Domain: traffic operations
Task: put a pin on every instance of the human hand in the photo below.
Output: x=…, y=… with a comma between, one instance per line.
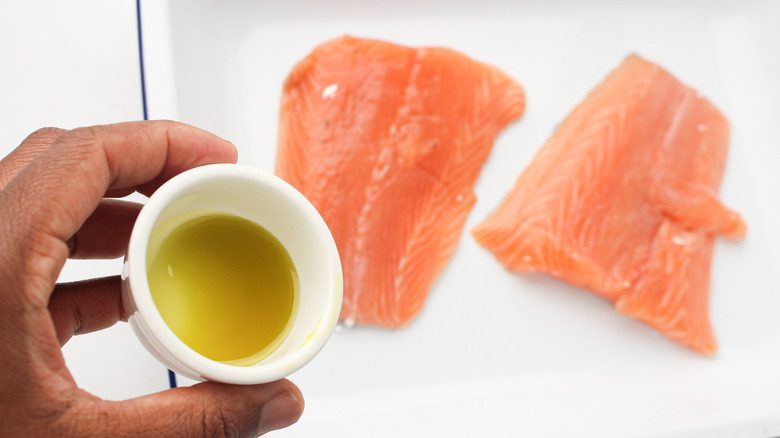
x=54, y=204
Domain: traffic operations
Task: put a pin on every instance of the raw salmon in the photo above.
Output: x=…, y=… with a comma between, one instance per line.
x=387, y=141
x=622, y=201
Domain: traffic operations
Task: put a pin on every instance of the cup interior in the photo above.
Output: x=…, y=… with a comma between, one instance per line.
x=285, y=213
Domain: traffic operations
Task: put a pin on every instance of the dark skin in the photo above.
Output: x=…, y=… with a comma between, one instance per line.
x=56, y=193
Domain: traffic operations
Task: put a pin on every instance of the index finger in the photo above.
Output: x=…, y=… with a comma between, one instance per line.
x=143, y=155
x=50, y=199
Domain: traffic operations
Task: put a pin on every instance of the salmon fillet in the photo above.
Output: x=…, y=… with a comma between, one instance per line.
x=622, y=201
x=387, y=141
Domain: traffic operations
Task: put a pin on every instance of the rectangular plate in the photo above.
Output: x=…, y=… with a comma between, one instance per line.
x=495, y=353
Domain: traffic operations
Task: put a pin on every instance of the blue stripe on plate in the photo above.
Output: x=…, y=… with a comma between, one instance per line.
x=171, y=374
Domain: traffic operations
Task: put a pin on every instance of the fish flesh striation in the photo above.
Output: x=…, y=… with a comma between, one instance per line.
x=622, y=201
x=387, y=141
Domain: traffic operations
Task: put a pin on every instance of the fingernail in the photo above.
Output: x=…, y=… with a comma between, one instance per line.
x=280, y=411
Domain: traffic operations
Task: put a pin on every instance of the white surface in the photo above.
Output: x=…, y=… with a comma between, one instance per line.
x=66, y=64
x=71, y=64
x=496, y=354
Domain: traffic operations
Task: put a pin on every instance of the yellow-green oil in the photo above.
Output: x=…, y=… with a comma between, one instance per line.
x=225, y=286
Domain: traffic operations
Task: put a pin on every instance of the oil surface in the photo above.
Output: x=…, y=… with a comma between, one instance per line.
x=225, y=286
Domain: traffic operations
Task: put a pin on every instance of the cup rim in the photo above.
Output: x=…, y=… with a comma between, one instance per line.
x=165, y=338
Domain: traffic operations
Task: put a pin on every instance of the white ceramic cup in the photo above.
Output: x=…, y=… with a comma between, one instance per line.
x=275, y=205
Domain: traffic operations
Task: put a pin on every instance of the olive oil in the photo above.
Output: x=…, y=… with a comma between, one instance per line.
x=225, y=286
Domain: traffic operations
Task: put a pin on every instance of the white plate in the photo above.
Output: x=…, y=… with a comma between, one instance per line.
x=495, y=353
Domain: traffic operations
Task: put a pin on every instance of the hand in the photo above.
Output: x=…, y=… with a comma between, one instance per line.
x=53, y=205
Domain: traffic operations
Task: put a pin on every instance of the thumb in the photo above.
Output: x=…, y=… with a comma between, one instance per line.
x=207, y=409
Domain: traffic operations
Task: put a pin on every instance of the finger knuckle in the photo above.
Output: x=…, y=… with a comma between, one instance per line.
x=217, y=424
x=88, y=136
x=42, y=256
x=44, y=135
